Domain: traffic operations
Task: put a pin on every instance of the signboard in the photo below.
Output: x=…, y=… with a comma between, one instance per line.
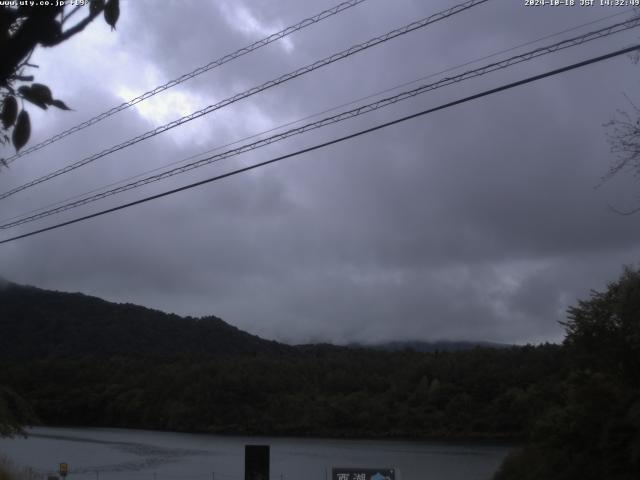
x=256, y=462
x=64, y=469
x=363, y=474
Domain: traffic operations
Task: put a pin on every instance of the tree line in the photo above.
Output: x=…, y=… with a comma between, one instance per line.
x=322, y=392
x=574, y=407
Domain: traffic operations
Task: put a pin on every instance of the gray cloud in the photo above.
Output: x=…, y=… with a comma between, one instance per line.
x=478, y=222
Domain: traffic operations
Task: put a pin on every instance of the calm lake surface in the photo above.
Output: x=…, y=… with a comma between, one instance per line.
x=118, y=454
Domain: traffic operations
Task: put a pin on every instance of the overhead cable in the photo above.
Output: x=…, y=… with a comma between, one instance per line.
x=194, y=73
x=272, y=83
x=313, y=115
x=385, y=102
x=332, y=142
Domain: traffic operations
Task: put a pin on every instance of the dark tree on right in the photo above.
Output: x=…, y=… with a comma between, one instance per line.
x=594, y=430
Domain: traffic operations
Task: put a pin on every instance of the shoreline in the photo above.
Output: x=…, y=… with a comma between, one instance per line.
x=498, y=440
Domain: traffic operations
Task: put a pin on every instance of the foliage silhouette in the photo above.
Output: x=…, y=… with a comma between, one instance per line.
x=593, y=430
x=22, y=29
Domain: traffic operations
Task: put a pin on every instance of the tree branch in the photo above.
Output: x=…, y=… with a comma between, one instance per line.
x=77, y=28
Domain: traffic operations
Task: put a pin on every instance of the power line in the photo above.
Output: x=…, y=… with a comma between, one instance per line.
x=317, y=114
x=334, y=141
x=385, y=102
x=272, y=83
x=340, y=117
x=187, y=76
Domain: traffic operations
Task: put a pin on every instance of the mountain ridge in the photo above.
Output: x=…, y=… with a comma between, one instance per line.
x=40, y=323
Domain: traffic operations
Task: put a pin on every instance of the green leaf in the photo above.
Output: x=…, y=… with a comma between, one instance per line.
x=40, y=95
x=42, y=92
x=22, y=130
x=9, y=111
x=112, y=12
x=28, y=94
x=60, y=104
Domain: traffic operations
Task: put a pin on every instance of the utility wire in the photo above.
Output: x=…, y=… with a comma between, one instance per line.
x=314, y=115
x=272, y=83
x=334, y=141
x=385, y=102
x=187, y=76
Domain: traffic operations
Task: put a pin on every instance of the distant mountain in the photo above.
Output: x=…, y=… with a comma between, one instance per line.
x=437, y=346
x=38, y=324
x=82, y=361
x=41, y=324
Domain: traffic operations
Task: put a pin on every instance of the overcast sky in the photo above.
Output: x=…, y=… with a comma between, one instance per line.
x=480, y=222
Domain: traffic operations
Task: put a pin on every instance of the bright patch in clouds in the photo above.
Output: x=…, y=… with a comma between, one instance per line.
x=166, y=106
x=243, y=118
x=240, y=18
x=162, y=108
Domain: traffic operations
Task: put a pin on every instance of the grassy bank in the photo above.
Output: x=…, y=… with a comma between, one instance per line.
x=11, y=471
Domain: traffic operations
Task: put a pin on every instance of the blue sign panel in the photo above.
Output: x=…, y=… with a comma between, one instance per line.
x=363, y=474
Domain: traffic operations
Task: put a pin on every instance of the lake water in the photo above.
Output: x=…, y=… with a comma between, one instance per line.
x=118, y=454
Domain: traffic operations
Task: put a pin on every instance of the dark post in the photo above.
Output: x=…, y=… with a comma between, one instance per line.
x=256, y=462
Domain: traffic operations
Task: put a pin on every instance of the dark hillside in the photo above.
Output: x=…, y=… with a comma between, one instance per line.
x=79, y=360
x=37, y=324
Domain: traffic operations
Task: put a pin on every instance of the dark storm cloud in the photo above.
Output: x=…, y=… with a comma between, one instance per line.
x=478, y=222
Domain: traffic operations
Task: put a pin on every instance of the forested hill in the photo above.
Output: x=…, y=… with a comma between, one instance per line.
x=79, y=360
x=38, y=324
x=577, y=405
